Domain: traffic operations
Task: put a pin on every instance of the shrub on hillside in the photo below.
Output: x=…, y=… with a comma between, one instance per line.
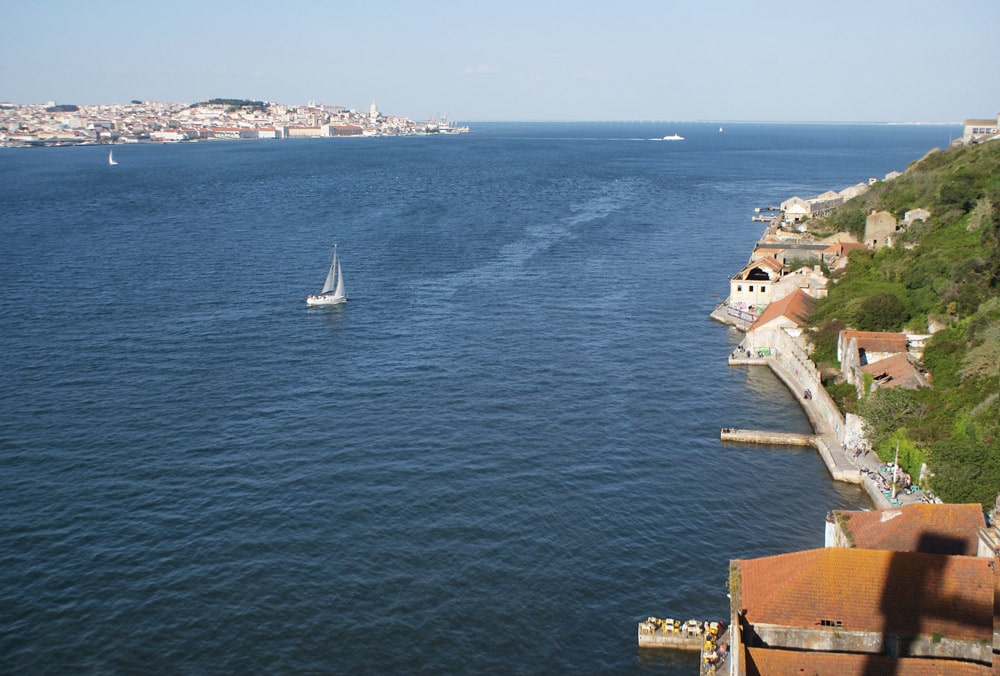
x=879, y=312
x=889, y=409
x=958, y=191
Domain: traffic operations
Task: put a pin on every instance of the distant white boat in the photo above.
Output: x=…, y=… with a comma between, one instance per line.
x=111, y=158
x=720, y=130
x=333, y=288
x=673, y=137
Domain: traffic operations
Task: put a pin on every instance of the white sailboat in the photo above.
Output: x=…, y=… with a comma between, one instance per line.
x=111, y=158
x=333, y=288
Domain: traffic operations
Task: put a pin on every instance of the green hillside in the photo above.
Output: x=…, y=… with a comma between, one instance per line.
x=943, y=273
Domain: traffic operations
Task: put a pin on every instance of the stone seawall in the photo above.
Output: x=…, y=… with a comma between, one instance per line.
x=788, y=360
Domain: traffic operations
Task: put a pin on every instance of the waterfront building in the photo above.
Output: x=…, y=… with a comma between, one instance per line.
x=824, y=204
x=233, y=133
x=789, y=313
x=789, y=251
x=795, y=210
x=304, y=132
x=752, y=286
x=345, y=130
x=860, y=611
x=853, y=191
x=918, y=527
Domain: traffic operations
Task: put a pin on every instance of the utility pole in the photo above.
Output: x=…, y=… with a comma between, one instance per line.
x=895, y=469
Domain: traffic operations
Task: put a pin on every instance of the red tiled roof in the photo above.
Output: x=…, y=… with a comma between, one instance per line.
x=931, y=529
x=766, y=661
x=796, y=306
x=876, y=341
x=903, y=593
x=895, y=371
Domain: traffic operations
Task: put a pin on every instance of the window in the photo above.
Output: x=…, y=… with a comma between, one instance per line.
x=831, y=623
x=751, y=288
x=739, y=287
x=762, y=288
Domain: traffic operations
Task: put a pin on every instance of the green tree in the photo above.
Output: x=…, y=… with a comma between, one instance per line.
x=880, y=312
x=888, y=409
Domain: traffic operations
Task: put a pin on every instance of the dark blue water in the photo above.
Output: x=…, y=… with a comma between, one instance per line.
x=499, y=456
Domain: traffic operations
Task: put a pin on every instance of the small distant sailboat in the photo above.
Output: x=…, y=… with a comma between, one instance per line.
x=720, y=130
x=333, y=289
x=673, y=137
x=111, y=158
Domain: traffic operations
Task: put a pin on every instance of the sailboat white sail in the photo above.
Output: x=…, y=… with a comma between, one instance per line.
x=111, y=158
x=333, y=288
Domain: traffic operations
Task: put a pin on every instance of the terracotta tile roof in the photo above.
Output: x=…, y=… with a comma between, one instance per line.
x=896, y=371
x=796, y=306
x=875, y=341
x=919, y=527
x=766, y=661
x=903, y=593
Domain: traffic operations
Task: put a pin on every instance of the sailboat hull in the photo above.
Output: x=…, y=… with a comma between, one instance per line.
x=329, y=299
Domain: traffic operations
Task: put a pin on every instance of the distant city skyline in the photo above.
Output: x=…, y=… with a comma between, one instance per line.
x=891, y=61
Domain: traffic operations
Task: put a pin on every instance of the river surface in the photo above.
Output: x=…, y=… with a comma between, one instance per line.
x=499, y=456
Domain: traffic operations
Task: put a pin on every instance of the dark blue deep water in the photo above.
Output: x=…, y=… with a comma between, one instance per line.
x=498, y=457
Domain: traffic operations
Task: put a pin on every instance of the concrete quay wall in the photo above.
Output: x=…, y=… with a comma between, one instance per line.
x=789, y=361
x=872, y=642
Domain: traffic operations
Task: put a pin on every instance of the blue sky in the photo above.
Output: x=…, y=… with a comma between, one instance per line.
x=766, y=60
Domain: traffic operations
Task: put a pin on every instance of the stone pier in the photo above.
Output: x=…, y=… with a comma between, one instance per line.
x=765, y=437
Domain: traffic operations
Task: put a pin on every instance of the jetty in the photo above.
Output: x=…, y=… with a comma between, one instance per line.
x=709, y=639
x=766, y=437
